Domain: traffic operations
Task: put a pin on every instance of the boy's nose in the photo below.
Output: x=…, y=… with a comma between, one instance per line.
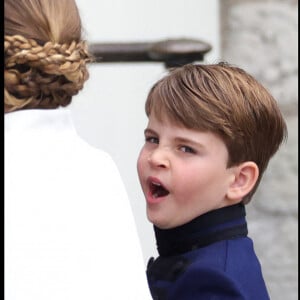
x=159, y=158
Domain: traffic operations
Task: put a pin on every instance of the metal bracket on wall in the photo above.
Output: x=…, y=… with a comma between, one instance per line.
x=172, y=52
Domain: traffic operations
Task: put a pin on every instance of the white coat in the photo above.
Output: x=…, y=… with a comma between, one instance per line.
x=69, y=229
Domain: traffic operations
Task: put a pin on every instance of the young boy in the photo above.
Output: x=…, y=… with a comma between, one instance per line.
x=212, y=130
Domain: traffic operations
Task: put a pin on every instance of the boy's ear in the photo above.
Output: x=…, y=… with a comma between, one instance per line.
x=244, y=179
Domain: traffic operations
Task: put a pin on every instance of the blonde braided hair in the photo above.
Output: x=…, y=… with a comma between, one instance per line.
x=43, y=76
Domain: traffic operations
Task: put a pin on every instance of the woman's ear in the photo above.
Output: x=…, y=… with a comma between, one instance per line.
x=245, y=177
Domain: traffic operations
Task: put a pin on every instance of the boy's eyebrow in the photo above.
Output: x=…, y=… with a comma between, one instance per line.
x=149, y=131
x=179, y=139
x=183, y=140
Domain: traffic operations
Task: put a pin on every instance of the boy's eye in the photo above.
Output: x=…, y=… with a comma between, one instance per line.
x=187, y=149
x=152, y=139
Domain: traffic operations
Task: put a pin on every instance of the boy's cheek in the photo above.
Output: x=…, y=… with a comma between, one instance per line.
x=140, y=166
x=142, y=159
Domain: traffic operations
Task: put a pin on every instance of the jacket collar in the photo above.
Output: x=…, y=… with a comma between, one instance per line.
x=38, y=119
x=224, y=223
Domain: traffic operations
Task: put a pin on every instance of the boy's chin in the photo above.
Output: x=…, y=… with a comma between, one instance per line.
x=162, y=224
x=158, y=223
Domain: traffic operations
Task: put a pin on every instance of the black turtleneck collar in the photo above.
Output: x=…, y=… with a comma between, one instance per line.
x=220, y=224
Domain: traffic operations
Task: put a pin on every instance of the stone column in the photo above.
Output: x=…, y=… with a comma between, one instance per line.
x=261, y=36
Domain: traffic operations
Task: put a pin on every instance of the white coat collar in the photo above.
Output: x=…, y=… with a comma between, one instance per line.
x=22, y=120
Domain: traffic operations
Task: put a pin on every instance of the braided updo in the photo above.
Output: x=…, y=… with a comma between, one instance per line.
x=45, y=58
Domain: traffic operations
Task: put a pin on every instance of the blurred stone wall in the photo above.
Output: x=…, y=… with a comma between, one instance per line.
x=261, y=36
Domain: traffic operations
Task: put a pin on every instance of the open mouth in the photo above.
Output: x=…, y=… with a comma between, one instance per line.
x=158, y=190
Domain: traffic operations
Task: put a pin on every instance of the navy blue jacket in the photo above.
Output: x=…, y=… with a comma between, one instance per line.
x=209, y=258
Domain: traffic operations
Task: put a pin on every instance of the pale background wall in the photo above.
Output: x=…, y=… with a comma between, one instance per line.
x=109, y=112
x=260, y=36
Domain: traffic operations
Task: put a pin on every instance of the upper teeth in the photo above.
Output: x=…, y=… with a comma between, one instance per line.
x=156, y=183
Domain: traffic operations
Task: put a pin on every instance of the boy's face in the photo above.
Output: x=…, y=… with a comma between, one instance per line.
x=182, y=172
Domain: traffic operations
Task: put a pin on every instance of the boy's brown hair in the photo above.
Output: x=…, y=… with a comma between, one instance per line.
x=226, y=100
